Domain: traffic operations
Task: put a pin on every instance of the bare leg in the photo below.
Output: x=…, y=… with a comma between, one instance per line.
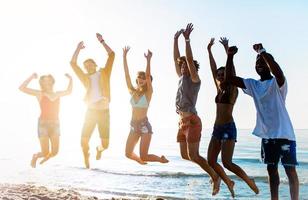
x=54, y=148
x=293, y=181
x=227, y=154
x=213, y=152
x=44, y=142
x=184, y=150
x=193, y=153
x=273, y=180
x=104, y=145
x=103, y=128
x=87, y=130
x=130, y=145
x=144, y=149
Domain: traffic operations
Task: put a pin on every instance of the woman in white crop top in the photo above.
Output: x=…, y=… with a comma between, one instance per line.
x=140, y=126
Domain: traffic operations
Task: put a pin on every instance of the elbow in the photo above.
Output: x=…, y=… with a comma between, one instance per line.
x=111, y=54
x=21, y=88
x=73, y=63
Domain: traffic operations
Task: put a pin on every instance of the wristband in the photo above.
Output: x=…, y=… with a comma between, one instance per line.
x=261, y=51
x=187, y=40
x=102, y=41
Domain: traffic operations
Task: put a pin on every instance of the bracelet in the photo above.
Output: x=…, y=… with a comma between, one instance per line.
x=187, y=40
x=102, y=41
x=261, y=51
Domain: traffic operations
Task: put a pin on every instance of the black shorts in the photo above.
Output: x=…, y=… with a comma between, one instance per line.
x=275, y=150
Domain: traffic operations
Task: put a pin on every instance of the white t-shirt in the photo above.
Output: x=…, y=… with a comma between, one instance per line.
x=273, y=120
x=95, y=94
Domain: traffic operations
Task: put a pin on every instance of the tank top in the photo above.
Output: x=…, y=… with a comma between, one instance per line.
x=187, y=94
x=49, y=109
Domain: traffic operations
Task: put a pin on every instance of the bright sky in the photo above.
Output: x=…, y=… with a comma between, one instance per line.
x=41, y=36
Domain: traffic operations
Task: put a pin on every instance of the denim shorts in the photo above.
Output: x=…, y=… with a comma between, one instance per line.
x=48, y=128
x=275, y=150
x=142, y=126
x=225, y=131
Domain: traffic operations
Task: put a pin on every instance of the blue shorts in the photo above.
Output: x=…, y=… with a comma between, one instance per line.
x=225, y=131
x=275, y=150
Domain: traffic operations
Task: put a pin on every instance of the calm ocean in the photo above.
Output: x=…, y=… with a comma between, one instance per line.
x=116, y=176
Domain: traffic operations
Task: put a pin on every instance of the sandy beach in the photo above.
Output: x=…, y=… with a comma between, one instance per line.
x=32, y=192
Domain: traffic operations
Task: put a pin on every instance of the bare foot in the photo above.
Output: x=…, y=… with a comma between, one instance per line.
x=164, y=159
x=86, y=161
x=216, y=185
x=98, y=153
x=253, y=186
x=230, y=187
x=33, y=161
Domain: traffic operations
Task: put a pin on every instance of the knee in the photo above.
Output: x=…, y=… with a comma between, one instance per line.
x=84, y=142
x=227, y=164
x=54, y=153
x=143, y=156
x=184, y=156
x=128, y=153
x=211, y=162
x=105, y=143
x=290, y=171
x=272, y=170
x=194, y=157
x=45, y=153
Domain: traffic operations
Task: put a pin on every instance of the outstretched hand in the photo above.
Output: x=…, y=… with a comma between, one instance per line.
x=188, y=30
x=149, y=55
x=178, y=33
x=99, y=37
x=232, y=50
x=80, y=45
x=125, y=50
x=257, y=47
x=224, y=41
x=211, y=43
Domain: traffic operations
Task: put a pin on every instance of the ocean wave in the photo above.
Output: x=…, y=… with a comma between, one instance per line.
x=183, y=175
x=126, y=194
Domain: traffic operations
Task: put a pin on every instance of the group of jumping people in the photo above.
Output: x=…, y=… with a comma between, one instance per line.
x=273, y=124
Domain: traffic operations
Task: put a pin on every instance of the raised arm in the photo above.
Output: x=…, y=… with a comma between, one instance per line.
x=225, y=42
x=271, y=63
x=111, y=54
x=176, y=51
x=212, y=60
x=148, y=73
x=24, y=86
x=127, y=76
x=229, y=75
x=68, y=89
x=78, y=71
x=189, y=56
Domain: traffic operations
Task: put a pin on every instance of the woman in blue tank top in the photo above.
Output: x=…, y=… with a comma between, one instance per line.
x=140, y=100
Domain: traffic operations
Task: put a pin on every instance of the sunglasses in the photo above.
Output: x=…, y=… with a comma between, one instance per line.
x=141, y=77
